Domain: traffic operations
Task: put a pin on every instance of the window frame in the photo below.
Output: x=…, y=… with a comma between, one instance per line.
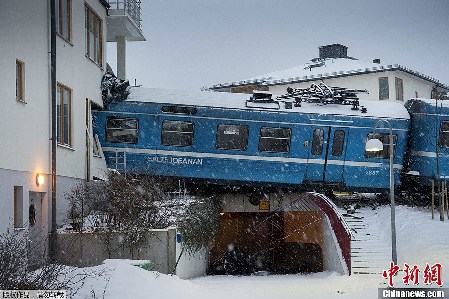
x=112, y=129
x=61, y=119
x=20, y=80
x=188, y=123
x=385, y=139
x=245, y=135
x=399, y=86
x=97, y=32
x=443, y=142
x=382, y=94
x=263, y=138
x=64, y=18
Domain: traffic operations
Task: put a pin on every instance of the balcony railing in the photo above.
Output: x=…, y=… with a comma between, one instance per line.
x=131, y=7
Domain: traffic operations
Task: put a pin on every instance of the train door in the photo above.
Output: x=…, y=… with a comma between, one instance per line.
x=327, y=155
x=336, y=154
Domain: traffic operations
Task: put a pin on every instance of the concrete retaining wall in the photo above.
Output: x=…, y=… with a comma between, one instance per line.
x=91, y=249
x=160, y=248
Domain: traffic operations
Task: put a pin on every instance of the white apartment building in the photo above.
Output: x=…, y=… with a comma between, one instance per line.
x=335, y=68
x=26, y=114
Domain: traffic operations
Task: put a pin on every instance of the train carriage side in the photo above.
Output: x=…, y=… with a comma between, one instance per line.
x=428, y=157
x=308, y=147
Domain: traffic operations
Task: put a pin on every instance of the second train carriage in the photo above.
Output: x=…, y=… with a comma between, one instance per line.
x=218, y=138
x=428, y=153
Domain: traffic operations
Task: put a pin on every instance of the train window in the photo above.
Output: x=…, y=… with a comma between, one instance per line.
x=123, y=130
x=317, y=142
x=232, y=137
x=338, y=143
x=275, y=140
x=179, y=109
x=177, y=133
x=444, y=134
x=385, y=153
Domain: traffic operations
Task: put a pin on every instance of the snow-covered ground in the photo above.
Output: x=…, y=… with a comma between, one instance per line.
x=421, y=240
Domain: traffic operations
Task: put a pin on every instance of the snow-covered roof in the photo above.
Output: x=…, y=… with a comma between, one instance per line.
x=324, y=69
x=384, y=109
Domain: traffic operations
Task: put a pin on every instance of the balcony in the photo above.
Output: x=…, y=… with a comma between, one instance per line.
x=124, y=19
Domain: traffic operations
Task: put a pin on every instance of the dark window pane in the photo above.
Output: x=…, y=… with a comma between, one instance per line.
x=383, y=88
x=444, y=134
x=385, y=139
x=338, y=143
x=399, y=89
x=317, y=142
x=123, y=130
x=274, y=140
x=177, y=133
x=232, y=137
x=179, y=109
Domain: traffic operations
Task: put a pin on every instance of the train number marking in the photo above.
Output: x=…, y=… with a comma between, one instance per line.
x=372, y=172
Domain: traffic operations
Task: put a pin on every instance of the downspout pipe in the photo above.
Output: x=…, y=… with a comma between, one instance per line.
x=53, y=235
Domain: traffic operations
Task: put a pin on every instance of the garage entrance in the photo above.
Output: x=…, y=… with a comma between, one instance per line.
x=289, y=239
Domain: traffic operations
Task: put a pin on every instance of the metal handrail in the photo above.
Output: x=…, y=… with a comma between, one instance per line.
x=132, y=7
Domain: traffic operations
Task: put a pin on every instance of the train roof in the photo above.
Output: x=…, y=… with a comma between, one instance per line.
x=381, y=109
x=421, y=105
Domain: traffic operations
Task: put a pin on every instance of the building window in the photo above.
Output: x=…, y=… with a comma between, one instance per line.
x=232, y=137
x=384, y=91
x=20, y=80
x=444, y=134
x=399, y=85
x=94, y=36
x=64, y=19
x=64, y=114
x=385, y=139
x=317, y=142
x=18, y=206
x=338, y=143
x=122, y=130
x=275, y=140
x=177, y=133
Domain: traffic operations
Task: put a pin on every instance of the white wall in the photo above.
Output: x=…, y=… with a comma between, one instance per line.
x=370, y=82
x=83, y=76
x=191, y=265
x=332, y=256
x=26, y=127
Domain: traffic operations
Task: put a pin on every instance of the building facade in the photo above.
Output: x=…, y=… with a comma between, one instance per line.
x=26, y=114
x=335, y=68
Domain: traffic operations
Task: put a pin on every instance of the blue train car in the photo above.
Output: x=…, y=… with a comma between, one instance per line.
x=428, y=156
x=218, y=138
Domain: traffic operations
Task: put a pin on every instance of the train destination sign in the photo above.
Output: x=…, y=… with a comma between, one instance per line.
x=176, y=160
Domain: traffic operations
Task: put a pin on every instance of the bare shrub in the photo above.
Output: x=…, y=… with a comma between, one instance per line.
x=15, y=274
x=129, y=204
x=200, y=222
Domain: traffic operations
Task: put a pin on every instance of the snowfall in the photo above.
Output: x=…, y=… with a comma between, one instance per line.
x=420, y=240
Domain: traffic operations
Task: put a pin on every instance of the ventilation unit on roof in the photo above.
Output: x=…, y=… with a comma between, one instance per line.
x=262, y=99
x=333, y=51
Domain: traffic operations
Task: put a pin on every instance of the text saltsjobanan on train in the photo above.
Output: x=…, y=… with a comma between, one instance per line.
x=309, y=139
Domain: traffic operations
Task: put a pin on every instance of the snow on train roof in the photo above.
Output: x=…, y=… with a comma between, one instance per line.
x=431, y=102
x=384, y=109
